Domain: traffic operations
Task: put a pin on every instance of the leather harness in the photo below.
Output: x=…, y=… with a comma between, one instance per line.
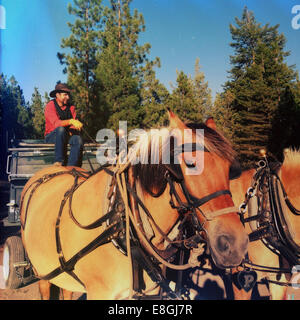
x=269, y=223
x=186, y=209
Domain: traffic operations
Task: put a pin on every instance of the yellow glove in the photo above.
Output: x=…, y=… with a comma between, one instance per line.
x=76, y=124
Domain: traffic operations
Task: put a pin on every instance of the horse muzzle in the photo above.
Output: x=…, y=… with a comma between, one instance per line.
x=228, y=251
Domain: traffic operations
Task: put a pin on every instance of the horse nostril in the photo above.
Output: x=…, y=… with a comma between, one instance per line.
x=223, y=243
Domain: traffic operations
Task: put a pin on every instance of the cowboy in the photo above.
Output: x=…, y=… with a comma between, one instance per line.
x=62, y=127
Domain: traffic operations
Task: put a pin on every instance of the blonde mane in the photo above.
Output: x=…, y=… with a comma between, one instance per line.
x=153, y=143
x=291, y=157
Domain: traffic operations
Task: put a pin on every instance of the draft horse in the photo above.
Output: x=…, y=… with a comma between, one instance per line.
x=86, y=232
x=272, y=221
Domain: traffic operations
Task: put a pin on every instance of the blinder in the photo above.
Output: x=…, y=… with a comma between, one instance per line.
x=174, y=173
x=174, y=168
x=235, y=169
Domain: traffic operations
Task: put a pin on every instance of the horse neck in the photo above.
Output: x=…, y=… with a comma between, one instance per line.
x=290, y=177
x=159, y=208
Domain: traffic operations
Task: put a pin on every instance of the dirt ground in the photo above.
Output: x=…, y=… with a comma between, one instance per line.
x=213, y=288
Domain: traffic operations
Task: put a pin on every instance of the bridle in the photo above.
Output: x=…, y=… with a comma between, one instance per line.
x=185, y=208
x=192, y=203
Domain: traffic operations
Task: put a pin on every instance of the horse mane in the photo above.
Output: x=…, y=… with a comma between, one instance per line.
x=291, y=157
x=215, y=142
x=152, y=176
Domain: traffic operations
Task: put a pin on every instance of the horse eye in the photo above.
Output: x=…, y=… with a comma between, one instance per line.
x=190, y=164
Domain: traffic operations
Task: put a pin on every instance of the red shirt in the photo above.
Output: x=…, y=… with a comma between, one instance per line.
x=51, y=117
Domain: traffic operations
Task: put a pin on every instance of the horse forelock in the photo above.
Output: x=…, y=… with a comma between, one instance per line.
x=146, y=157
x=149, y=147
x=152, y=145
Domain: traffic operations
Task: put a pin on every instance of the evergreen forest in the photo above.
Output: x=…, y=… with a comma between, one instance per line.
x=113, y=79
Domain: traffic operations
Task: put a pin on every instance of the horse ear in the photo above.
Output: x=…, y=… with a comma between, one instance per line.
x=175, y=122
x=210, y=122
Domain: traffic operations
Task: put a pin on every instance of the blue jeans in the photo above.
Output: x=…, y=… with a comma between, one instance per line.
x=60, y=137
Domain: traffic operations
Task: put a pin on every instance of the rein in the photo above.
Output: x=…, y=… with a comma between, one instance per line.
x=185, y=209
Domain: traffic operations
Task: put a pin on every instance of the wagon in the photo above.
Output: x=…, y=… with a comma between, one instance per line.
x=25, y=158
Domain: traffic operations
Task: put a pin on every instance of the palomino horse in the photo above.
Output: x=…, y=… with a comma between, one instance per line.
x=259, y=253
x=70, y=232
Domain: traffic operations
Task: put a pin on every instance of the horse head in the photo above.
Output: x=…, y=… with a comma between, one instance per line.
x=206, y=168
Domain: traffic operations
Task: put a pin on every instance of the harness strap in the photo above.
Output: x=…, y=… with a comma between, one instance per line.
x=146, y=243
x=287, y=200
x=194, y=202
x=271, y=229
x=199, y=202
x=213, y=214
x=139, y=201
x=69, y=265
x=42, y=180
x=291, y=207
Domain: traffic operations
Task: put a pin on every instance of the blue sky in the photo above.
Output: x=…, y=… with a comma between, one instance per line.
x=179, y=31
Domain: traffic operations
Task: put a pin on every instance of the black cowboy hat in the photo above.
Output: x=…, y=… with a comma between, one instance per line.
x=60, y=87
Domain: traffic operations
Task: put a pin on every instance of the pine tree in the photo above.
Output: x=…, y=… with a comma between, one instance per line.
x=46, y=98
x=296, y=91
x=154, y=98
x=24, y=128
x=121, y=65
x=182, y=99
x=258, y=77
x=37, y=110
x=84, y=44
x=285, y=126
x=223, y=114
x=201, y=90
x=16, y=116
x=3, y=139
x=191, y=97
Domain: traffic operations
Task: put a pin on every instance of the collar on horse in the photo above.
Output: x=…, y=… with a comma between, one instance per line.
x=271, y=225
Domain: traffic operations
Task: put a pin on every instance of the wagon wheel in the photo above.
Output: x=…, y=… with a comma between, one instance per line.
x=13, y=252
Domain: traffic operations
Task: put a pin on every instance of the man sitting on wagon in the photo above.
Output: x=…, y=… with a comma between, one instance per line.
x=62, y=127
